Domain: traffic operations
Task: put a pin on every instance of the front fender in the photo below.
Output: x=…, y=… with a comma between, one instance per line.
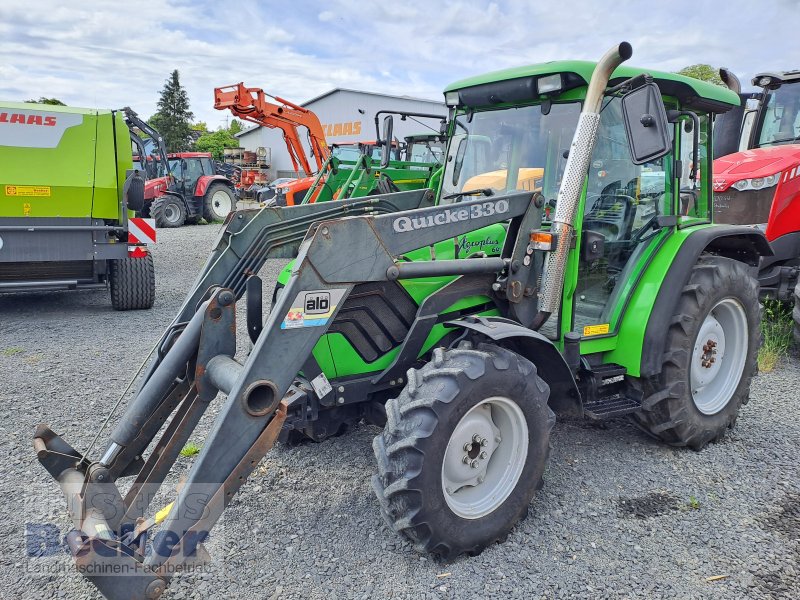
x=565, y=398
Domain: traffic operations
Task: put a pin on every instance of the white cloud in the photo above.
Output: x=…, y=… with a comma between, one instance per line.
x=104, y=53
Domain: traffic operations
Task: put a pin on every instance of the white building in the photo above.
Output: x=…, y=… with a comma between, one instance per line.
x=346, y=116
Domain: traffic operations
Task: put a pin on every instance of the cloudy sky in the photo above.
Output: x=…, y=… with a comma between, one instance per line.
x=109, y=54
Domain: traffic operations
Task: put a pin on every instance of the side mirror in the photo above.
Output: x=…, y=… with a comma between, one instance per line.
x=386, y=140
x=646, y=124
x=133, y=191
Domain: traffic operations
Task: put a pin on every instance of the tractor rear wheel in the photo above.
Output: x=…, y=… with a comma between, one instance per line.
x=709, y=359
x=796, y=314
x=168, y=211
x=464, y=449
x=133, y=283
x=218, y=202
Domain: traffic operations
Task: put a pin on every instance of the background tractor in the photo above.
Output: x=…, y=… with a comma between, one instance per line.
x=67, y=196
x=181, y=187
x=757, y=176
x=462, y=322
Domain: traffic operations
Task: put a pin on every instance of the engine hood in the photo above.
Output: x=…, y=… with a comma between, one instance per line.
x=760, y=162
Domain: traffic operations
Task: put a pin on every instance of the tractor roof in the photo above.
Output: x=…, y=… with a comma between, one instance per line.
x=690, y=92
x=55, y=108
x=776, y=78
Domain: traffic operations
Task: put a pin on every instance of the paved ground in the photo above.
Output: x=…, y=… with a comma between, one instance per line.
x=619, y=515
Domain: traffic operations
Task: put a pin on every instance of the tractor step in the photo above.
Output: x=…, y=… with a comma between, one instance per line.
x=610, y=398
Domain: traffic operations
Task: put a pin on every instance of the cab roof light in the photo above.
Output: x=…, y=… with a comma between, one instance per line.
x=549, y=84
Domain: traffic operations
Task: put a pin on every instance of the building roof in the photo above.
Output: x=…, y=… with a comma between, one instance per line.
x=352, y=91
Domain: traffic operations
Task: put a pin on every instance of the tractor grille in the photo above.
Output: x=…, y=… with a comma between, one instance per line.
x=743, y=208
x=375, y=318
x=46, y=271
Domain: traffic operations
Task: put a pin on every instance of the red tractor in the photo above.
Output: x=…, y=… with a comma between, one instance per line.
x=180, y=187
x=757, y=175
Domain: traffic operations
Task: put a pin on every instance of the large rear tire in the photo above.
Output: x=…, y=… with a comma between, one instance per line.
x=168, y=211
x=218, y=202
x=464, y=449
x=709, y=359
x=133, y=283
x=796, y=315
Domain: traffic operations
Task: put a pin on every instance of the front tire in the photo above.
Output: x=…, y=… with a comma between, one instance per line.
x=709, y=358
x=485, y=403
x=168, y=211
x=796, y=314
x=133, y=283
x=218, y=202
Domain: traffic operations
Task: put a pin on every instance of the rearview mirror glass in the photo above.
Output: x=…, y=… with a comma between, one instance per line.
x=649, y=133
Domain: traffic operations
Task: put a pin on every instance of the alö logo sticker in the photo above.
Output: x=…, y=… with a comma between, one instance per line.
x=450, y=215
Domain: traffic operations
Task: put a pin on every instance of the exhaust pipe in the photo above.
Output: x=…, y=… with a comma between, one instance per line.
x=730, y=80
x=569, y=194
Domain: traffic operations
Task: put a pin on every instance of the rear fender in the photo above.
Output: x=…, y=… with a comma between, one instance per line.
x=738, y=242
x=207, y=180
x=565, y=398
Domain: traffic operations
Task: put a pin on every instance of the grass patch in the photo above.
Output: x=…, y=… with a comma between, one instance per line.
x=190, y=449
x=694, y=503
x=776, y=331
x=11, y=351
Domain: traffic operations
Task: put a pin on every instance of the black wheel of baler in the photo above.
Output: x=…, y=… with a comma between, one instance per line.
x=450, y=495
x=218, y=202
x=796, y=315
x=168, y=211
x=709, y=359
x=133, y=283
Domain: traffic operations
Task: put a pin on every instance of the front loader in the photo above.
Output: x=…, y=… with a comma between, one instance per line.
x=462, y=326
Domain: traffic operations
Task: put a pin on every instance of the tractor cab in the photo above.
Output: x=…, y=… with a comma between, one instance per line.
x=188, y=168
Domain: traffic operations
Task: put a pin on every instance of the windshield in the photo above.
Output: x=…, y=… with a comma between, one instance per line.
x=425, y=151
x=510, y=149
x=781, y=116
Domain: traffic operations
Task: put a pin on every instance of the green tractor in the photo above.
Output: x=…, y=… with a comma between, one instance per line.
x=462, y=323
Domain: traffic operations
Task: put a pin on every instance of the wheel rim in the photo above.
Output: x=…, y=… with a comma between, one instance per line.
x=485, y=457
x=718, y=356
x=171, y=213
x=221, y=204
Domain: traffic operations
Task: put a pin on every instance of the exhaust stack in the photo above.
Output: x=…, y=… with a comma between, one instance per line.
x=569, y=194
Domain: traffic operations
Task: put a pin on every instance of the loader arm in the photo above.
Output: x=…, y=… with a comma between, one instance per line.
x=334, y=256
x=251, y=104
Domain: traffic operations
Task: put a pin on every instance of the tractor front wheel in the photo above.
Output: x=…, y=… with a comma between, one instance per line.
x=133, y=283
x=168, y=211
x=709, y=359
x=464, y=449
x=218, y=202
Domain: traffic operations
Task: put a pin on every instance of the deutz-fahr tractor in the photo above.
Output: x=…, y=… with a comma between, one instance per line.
x=463, y=323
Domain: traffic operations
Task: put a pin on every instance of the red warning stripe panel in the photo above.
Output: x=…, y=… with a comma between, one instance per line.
x=141, y=231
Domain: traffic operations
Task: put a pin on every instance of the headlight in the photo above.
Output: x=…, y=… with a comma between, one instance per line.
x=549, y=84
x=757, y=183
x=451, y=98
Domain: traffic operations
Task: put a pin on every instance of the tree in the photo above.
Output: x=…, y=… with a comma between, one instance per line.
x=703, y=73
x=216, y=142
x=200, y=126
x=50, y=101
x=173, y=118
x=235, y=127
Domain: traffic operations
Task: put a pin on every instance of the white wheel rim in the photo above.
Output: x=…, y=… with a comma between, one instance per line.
x=171, y=213
x=221, y=204
x=484, y=457
x=718, y=356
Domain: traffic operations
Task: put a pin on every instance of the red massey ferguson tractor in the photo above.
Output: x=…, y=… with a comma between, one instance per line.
x=180, y=187
x=757, y=176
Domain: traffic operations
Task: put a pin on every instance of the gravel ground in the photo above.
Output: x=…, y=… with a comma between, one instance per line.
x=619, y=515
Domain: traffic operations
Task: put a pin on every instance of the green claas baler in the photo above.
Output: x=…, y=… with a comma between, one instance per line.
x=66, y=187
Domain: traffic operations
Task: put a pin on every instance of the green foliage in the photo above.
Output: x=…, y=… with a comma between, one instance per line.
x=235, y=127
x=216, y=142
x=200, y=126
x=50, y=101
x=173, y=118
x=694, y=503
x=776, y=333
x=190, y=449
x=11, y=351
x=703, y=73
